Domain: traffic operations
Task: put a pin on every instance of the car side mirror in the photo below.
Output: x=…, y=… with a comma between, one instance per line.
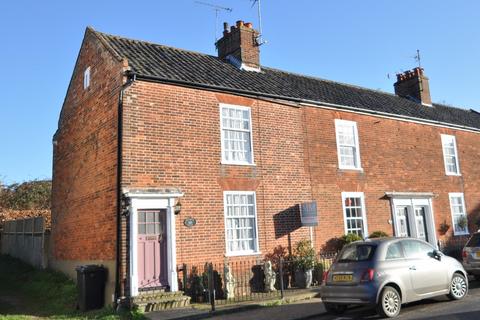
x=437, y=255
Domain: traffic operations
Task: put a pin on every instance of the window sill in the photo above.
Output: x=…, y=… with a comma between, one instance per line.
x=242, y=253
x=350, y=169
x=457, y=234
x=454, y=174
x=238, y=164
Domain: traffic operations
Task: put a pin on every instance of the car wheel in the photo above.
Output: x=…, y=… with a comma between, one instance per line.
x=335, y=308
x=390, y=303
x=458, y=287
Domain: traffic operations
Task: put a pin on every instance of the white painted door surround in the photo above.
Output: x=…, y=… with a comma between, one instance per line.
x=153, y=199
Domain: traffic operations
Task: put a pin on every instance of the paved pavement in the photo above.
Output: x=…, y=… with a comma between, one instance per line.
x=439, y=309
x=297, y=310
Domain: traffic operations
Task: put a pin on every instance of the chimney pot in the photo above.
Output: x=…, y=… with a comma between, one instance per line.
x=239, y=23
x=248, y=25
x=225, y=26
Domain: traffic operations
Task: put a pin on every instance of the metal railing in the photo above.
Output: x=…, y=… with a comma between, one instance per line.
x=234, y=281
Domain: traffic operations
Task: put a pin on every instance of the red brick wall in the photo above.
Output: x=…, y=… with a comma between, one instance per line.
x=85, y=157
x=396, y=156
x=172, y=139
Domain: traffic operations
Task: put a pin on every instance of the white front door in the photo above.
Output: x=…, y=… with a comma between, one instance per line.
x=414, y=218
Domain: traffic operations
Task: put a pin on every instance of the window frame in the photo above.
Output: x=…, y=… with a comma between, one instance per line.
x=360, y=195
x=256, y=250
x=357, y=160
x=222, y=135
x=452, y=214
x=86, y=78
x=444, y=138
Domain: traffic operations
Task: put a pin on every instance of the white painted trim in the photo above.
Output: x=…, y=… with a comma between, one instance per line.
x=240, y=253
x=360, y=195
x=222, y=135
x=444, y=137
x=86, y=78
x=457, y=195
x=149, y=201
x=411, y=203
x=339, y=122
x=433, y=225
x=409, y=195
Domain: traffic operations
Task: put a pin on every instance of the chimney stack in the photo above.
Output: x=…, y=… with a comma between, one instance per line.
x=413, y=84
x=239, y=46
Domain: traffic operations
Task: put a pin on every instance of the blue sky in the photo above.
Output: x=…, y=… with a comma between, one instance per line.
x=357, y=42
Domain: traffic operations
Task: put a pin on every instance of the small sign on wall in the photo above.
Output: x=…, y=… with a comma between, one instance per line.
x=308, y=214
x=189, y=222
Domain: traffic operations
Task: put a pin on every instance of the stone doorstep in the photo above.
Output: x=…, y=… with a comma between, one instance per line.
x=160, y=300
x=157, y=295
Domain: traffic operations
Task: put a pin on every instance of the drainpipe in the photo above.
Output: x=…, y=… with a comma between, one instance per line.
x=118, y=296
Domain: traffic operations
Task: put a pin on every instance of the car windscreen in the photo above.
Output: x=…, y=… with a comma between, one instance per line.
x=356, y=252
x=474, y=241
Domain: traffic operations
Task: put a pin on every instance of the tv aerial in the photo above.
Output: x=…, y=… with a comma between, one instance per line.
x=260, y=39
x=217, y=10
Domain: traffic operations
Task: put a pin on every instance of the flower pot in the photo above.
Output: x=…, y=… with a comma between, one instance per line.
x=303, y=279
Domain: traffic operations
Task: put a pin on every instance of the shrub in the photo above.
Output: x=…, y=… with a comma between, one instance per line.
x=304, y=255
x=336, y=244
x=350, y=237
x=378, y=234
x=27, y=195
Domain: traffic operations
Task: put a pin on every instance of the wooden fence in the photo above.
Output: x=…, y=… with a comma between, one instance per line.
x=26, y=239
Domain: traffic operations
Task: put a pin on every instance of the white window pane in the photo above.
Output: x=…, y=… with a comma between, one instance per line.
x=240, y=221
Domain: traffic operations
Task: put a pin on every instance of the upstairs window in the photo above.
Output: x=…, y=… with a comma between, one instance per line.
x=347, y=145
x=355, y=218
x=86, y=78
x=459, y=214
x=450, y=155
x=236, y=127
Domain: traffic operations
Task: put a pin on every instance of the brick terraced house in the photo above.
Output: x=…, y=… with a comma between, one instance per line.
x=165, y=156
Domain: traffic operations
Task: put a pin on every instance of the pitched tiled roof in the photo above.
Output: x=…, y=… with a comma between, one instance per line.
x=167, y=63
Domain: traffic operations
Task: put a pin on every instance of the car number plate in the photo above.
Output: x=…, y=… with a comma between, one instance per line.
x=342, y=277
x=478, y=254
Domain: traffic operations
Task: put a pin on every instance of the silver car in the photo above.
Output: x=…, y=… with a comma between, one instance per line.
x=388, y=272
x=471, y=256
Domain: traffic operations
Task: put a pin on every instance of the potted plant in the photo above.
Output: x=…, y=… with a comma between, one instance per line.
x=462, y=222
x=378, y=234
x=318, y=270
x=444, y=226
x=304, y=262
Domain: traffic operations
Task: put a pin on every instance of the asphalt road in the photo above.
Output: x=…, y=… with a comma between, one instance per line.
x=440, y=308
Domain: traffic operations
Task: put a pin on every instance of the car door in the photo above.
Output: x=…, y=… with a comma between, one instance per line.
x=427, y=273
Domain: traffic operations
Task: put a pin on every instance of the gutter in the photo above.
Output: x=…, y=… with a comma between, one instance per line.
x=305, y=102
x=117, y=295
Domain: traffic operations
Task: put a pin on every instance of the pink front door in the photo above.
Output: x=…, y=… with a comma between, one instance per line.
x=152, y=249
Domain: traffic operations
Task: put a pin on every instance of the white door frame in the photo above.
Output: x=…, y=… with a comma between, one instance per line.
x=411, y=200
x=141, y=201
